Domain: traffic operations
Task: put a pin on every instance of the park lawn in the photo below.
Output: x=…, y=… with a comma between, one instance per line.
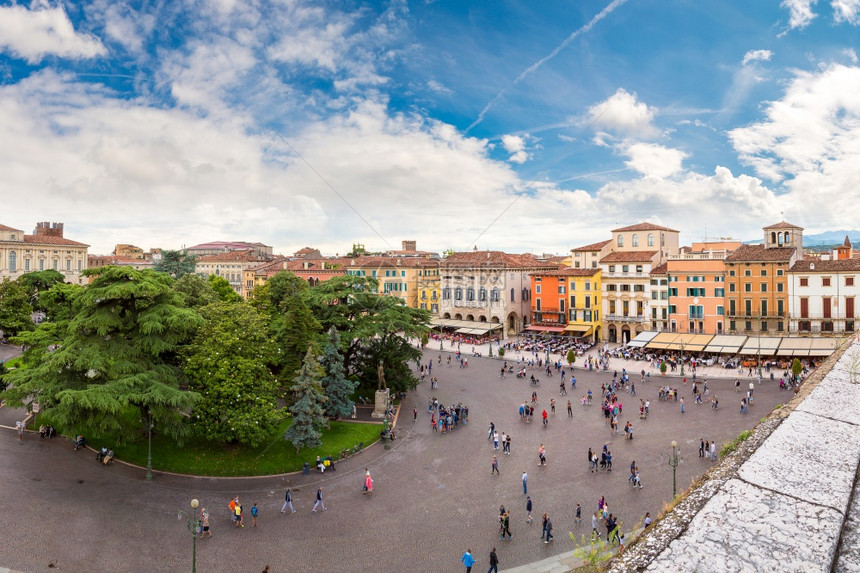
x=202, y=458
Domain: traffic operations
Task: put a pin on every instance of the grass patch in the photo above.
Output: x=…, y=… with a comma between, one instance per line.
x=203, y=458
x=13, y=363
x=733, y=445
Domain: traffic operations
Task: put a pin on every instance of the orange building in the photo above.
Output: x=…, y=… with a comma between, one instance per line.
x=549, y=299
x=697, y=279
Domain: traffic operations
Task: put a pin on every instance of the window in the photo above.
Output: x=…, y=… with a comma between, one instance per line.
x=719, y=292
x=748, y=325
x=638, y=268
x=41, y=264
x=849, y=281
x=68, y=264
x=561, y=305
x=611, y=307
x=747, y=273
x=513, y=298
x=732, y=325
x=572, y=286
x=763, y=287
x=804, y=281
x=13, y=261
x=620, y=240
x=721, y=311
x=779, y=272
x=537, y=279
x=764, y=307
x=779, y=287
x=625, y=288
x=482, y=294
x=458, y=293
x=562, y=289
x=27, y=265
x=494, y=295
x=587, y=286
x=572, y=302
x=731, y=287
x=470, y=293
x=673, y=291
x=611, y=287
x=635, y=240
x=748, y=307
x=804, y=308
x=611, y=268
x=638, y=288
x=764, y=272
x=650, y=239
x=446, y=293
x=780, y=307
x=747, y=287
x=825, y=281
x=537, y=289
x=654, y=295
x=537, y=305
x=625, y=268
x=826, y=306
x=731, y=274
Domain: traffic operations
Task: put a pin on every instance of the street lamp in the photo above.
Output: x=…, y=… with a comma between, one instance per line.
x=149, y=446
x=193, y=523
x=674, y=461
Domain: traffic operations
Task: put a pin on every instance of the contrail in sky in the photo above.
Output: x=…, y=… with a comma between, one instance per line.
x=600, y=16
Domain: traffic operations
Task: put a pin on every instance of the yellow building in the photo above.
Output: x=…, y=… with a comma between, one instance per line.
x=413, y=280
x=583, y=314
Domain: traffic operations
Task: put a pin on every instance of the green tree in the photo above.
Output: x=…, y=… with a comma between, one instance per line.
x=176, y=263
x=115, y=370
x=37, y=282
x=337, y=387
x=196, y=290
x=352, y=306
x=15, y=308
x=227, y=364
x=222, y=288
x=796, y=368
x=61, y=301
x=308, y=409
x=571, y=356
x=395, y=353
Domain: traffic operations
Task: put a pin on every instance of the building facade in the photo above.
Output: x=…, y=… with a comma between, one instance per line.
x=230, y=266
x=659, y=279
x=45, y=249
x=757, y=281
x=627, y=293
x=823, y=296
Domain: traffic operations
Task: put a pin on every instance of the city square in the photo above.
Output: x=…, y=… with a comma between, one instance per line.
x=434, y=495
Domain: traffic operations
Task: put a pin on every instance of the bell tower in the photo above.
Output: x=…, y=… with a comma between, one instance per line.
x=783, y=235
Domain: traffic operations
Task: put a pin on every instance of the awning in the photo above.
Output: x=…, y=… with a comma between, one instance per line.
x=460, y=324
x=726, y=344
x=766, y=346
x=690, y=342
x=662, y=340
x=642, y=339
x=579, y=330
x=823, y=346
x=538, y=328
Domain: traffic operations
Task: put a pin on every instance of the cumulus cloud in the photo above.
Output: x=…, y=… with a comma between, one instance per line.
x=846, y=11
x=800, y=12
x=624, y=115
x=34, y=34
x=654, y=160
x=515, y=145
x=757, y=56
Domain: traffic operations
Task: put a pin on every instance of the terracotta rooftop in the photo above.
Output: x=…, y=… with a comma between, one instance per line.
x=782, y=225
x=758, y=253
x=5, y=228
x=495, y=259
x=247, y=256
x=629, y=257
x=804, y=266
x=660, y=269
x=566, y=272
x=391, y=261
x=228, y=245
x=51, y=240
x=593, y=246
x=644, y=227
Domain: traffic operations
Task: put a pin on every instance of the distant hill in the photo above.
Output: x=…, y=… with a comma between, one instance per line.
x=826, y=239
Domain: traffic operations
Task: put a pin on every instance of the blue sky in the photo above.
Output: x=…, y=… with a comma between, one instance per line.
x=513, y=125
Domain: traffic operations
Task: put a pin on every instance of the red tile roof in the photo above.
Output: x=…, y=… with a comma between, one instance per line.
x=629, y=257
x=758, y=253
x=783, y=225
x=51, y=240
x=819, y=266
x=566, y=272
x=644, y=227
x=593, y=246
x=660, y=269
x=5, y=228
x=248, y=256
x=494, y=259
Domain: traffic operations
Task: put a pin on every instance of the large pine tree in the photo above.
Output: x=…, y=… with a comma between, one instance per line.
x=309, y=407
x=337, y=387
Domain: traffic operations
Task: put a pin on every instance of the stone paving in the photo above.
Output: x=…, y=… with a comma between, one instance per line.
x=434, y=495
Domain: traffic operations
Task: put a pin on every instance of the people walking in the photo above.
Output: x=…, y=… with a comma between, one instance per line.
x=319, y=501
x=506, y=525
x=368, y=483
x=494, y=466
x=525, y=483
x=288, y=502
x=204, y=524
x=548, y=528
x=494, y=562
x=254, y=513
x=529, y=518
x=468, y=560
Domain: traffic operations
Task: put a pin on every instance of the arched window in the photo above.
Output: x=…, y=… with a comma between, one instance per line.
x=458, y=293
x=482, y=294
x=787, y=236
x=311, y=281
x=494, y=294
x=316, y=282
x=513, y=298
x=620, y=240
x=526, y=294
x=446, y=293
x=470, y=294
x=650, y=239
x=635, y=240
x=13, y=261
x=773, y=238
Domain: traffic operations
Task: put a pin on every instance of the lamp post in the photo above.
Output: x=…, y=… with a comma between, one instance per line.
x=682, y=358
x=149, y=446
x=759, y=349
x=674, y=460
x=193, y=523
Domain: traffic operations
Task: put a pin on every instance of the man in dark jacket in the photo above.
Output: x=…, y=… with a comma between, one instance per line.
x=494, y=562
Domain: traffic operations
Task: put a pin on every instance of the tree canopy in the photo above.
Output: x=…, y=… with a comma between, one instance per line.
x=337, y=387
x=176, y=263
x=15, y=309
x=222, y=288
x=196, y=290
x=116, y=355
x=227, y=364
x=37, y=282
x=308, y=408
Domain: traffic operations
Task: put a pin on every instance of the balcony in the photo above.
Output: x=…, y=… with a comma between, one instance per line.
x=622, y=318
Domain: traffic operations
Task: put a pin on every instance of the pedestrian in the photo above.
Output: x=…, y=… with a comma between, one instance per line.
x=578, y=515
x=548, y=530
x=569, y=410
x=254, y=513
x=502, y=441
x=701, y=448
x=495, y=441
x=232, y=505
x=494, y=562
x=468, y=560
x=368, y=482
x=682, y=404
x=494, y=467
x=414, y=414
x=506, y=525
x=594, y=532
x=542, y=455
x=525, y=482
x=204, y=523
x=19, y=425
x=544, y=418
x=647, y=519
x=238, y=512
x=552, y=405
x=529, y=518
x=508, y=444
x=319, y=501
x=492, y=429
x=288, y=502
x=714, y=451
x=544, y=520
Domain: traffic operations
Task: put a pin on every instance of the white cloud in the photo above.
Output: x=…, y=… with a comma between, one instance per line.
x=757, y=56
x=439, y=88
x=800, y=12
x=654, y=160
x=811, y=139
x=846, y=11
x=622, y=114
x=850, y=54
x=34, y=34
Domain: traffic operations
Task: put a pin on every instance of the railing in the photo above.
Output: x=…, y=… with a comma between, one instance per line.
x=622, y=318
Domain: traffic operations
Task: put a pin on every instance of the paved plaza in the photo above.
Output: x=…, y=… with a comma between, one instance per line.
x=434, y=494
